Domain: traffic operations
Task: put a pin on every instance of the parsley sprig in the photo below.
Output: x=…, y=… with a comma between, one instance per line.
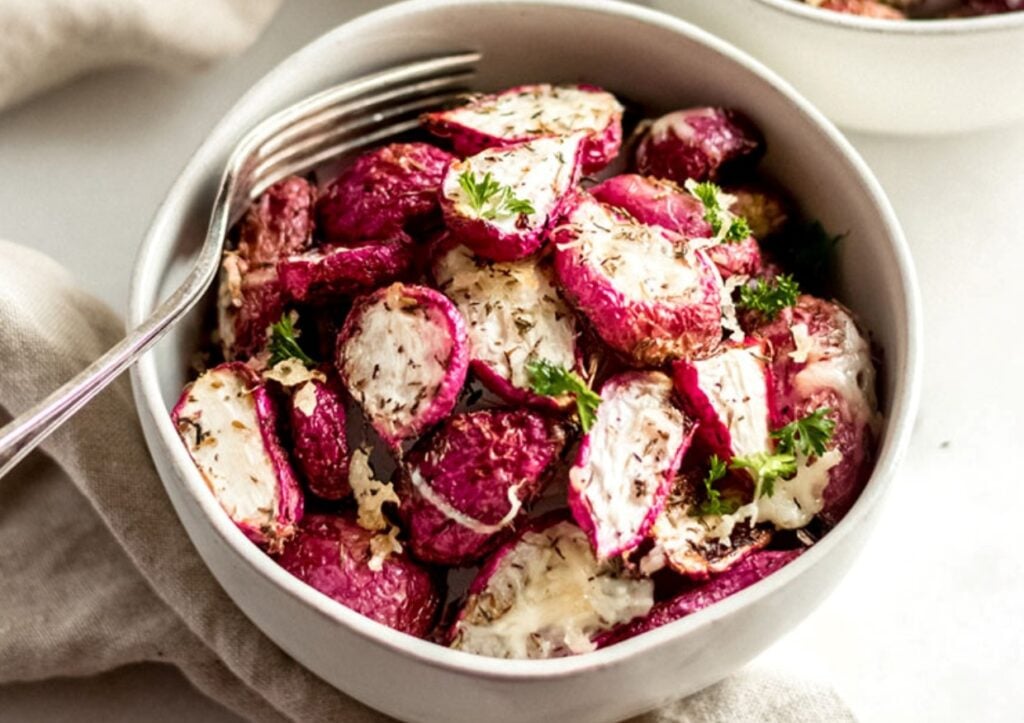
x=808, y=436
x=714, y=505
x=554, y=380
x=803, y=438
x=489, y=199
x=726, y=226
x=284, y=343
x=766, y=468
x=770, y=297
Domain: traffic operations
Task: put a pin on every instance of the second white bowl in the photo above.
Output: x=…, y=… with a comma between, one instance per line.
x=906, y=77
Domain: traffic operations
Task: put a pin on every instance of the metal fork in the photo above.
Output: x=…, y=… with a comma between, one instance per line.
x=333, y=122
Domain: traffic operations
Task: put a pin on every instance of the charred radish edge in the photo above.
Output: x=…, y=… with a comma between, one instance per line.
x=610, y=596
x=606, y=263
x=676, y=432
x=501, y=201
x=273, y=516
x=470, y=135
x=683, y=540
x=699, y=382
x=369, y=360
x=743, y=574
x=473, y=284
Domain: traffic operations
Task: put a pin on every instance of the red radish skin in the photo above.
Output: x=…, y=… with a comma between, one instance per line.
x=385, y=191
x=643, y=293
x=332, y=554
x=319, y=441
x=660, y=434
x=699, y=143
x=468, y=136
x=542, y=171
x=745, y=573
x=514, y=314
x=201, y=417
x=457, y=484
x=403, y=355
x=659, y=202
x=837, y=373
x=331, y=271
x=279, y=223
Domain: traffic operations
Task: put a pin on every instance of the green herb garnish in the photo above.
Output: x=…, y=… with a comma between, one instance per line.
x=765, y=469
x=489, y=199
x=284, y=343
x=770, y=297
x=808, y=436
x=714, y=504
x=726, y=226
x=554, y=380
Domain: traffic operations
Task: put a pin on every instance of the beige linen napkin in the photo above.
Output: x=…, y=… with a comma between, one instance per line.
x=46, y=42
x=96, y=571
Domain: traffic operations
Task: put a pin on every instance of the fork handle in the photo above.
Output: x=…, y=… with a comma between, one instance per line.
x=25, y=432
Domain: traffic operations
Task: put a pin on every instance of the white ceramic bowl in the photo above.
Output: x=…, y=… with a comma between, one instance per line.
x=666, y=64
x=912, y=77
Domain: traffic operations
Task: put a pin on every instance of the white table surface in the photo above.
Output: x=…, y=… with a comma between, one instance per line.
x=929, y=625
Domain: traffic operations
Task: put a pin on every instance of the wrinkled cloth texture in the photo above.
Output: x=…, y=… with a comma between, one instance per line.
x=47, y=42
x=98, y=572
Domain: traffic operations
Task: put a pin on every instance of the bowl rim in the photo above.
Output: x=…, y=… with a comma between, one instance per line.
x=942, y=27
x=146, y=283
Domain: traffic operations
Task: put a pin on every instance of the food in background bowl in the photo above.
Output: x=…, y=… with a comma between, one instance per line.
x=918, y=9
x=735, y=418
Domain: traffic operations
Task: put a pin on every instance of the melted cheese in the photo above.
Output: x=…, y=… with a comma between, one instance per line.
x=513, y=313
x=841, y=362
x=540, y=171
x=549, y=597
x=395, y=362
x=802, y=342
x=796, y=501
x=631, y=449
x=539, y=110
x=641, y=262
x=370, y=493
x=734, y=384
x=221, y=428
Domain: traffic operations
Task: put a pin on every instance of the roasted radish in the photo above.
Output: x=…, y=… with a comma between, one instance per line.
x=228, y=422
x=514, y=315
x=645, y=293
x=403, y=356
x=465, y=486
x=625, y=464
x=529, y=112
x=501, y=202
x=546, y=595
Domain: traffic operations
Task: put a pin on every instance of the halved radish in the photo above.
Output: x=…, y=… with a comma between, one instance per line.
x=319, y=441
x=514, y=315
x=502, y=201
x=730, y=395
x=626, y=462
x=228, y=422
x=644, y=292
x=403, y=356
x=466, y=486
x=528, y=112
x=546, y=595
